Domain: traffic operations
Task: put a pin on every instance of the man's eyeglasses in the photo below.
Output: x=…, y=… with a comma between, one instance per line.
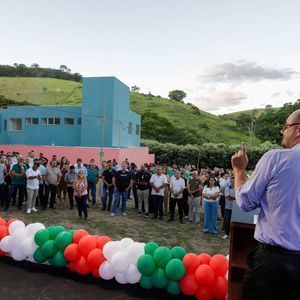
x=287, y=126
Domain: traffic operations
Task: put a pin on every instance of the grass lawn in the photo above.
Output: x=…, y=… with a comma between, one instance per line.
x=140, y=229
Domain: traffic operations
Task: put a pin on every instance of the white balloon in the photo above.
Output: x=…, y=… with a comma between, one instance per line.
x=132, y=274
x=18, y=236
x=110, y=249
x=15, y=225
x=5, y=244
x=120, y=278
x=17, y=254
x=135, y=251
x=33, y=228
x=124, y=243
x=106, y=271
x=227, y=256
x=28, y=246
x=119, y=261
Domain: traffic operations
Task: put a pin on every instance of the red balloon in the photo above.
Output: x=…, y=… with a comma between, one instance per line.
x=204, y=258
x=78, y=234
x=10, y=221
x=2, y=221
x=219, y=287
x=72, y=266
x=96, y=258
x=205, y=274
x=3, y=231
x=95, y=272
x=102, y=240
x=191, y=262
x=72, y=252
x=188, y=284
x=2, y=253
x=82, y=266
x=86, y=244
x=204, y=293
x=219, y=264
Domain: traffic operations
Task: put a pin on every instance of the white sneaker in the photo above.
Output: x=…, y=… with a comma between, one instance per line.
x=28, y=211
x=34, y=209
x=225, y=237
x=124, y=213
x=112, y=214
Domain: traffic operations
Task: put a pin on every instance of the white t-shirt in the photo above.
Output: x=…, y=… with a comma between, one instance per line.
x=158, y=181
x=177, y=185
x=211, y=191
x=32, y=183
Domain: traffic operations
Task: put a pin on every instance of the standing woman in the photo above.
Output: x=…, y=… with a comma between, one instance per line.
x=167, y=191
x=62, y=186
x=211, y=205
x=80, y=192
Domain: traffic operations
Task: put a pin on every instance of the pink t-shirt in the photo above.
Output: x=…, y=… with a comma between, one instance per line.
x=80, y=186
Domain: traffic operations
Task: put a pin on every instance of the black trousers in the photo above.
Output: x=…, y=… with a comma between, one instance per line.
x=71, y=195
x=50, y=188
x=173, y=202
x=273, y=273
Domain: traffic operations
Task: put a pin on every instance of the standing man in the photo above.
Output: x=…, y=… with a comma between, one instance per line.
x=274, y=266
x=194, y=188
x=3, y=171
x=108, y=186
x=51, y=178
x=158, y=183
x=33, y=177
x=229, y=197
x=142, y=180
x=92, y=180
x=80, y=167
x=69, y=179
x=41, y=193
x=18, y=182
x=177, y=187
x=122, y=182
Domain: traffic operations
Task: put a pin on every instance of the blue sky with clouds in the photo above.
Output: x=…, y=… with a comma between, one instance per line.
x=226, y=55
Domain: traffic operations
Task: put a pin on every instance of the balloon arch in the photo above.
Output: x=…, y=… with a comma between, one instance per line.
x=150, y=265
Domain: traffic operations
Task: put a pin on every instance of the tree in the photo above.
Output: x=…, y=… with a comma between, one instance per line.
x=135, y=89
x=177, y=95
x=63, y=68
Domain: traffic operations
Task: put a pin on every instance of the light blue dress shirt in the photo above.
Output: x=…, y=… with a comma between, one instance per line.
x=275, y=189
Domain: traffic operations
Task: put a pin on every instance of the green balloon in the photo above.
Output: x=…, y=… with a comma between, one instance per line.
x=173, y=288
x=175, y=269
x=50, y=228
x=51, y=261
x=178, y=252
x=72, y=231
x=49, y=249
x=59, y=259
x=38, y=256
x=146, y=264
x=159, y=278
x=150, y=248
x=55, y=231
x=145, y=282
x=162, y=255
x=63, y=239
x=42, y=236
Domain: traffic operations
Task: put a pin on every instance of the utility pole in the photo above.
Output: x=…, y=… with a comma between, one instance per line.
x=103, y=124
x=199, y=153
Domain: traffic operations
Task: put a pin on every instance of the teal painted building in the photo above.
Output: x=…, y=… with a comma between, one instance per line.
x=79, y=126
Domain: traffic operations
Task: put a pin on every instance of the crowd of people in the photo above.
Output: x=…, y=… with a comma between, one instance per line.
x=156, y=189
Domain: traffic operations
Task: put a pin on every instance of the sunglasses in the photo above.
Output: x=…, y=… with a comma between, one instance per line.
x=287, y=126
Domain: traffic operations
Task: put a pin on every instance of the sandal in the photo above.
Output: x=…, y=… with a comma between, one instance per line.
x=86, y=219
x=78, y=217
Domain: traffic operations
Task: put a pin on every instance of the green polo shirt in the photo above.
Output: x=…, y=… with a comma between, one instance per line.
x=170, y=174
x=18, y=179
x=92, y=176
x=194, y=184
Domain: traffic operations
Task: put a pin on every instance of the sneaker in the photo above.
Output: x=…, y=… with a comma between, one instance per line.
x=112, y=214
x=198, y=223
x=34, y=209
x=225, y=237
x=146, y=215
x=139, y=214
x=28, y=211
x=124, y=213
x=189, y=222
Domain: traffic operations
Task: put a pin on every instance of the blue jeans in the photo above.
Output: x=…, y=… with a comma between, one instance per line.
x=210, y=216
x=227, y=220
x=12, y=191
x=158, y=205
x=92, y=186
x=110, y=193
x=117, y=200
x=222, y=204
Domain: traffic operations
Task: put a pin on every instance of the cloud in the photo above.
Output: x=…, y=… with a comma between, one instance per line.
x=240, y=71
x=221, y=99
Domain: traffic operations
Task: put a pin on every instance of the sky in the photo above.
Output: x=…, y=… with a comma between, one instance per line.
x=226, y=55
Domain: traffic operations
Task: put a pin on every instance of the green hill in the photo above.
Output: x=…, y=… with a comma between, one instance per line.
x=173, y=122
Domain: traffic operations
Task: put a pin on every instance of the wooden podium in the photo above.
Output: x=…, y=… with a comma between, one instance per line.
x=241, y=243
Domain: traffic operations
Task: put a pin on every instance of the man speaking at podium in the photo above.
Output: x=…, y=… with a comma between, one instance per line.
x=274, y=266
